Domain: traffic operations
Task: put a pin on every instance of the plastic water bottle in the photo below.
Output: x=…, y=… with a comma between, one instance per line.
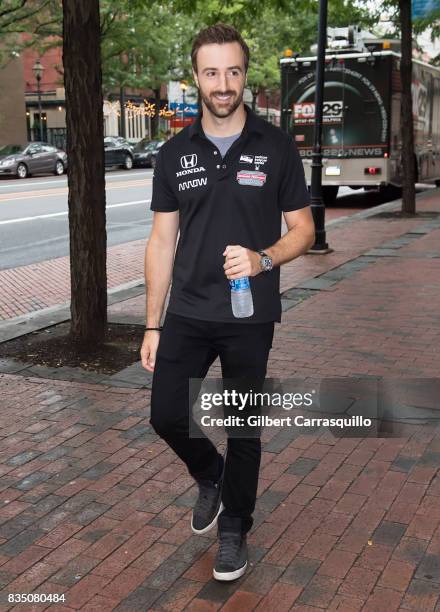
x=241, y=298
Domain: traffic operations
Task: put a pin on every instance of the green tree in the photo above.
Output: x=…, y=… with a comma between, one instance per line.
x=143, y=44
x=132, y=57
x=263, y=73
x=19, y=17
x=271, y=26
x=16, y=15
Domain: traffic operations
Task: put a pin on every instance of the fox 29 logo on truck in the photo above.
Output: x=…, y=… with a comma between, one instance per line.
x=332, y=112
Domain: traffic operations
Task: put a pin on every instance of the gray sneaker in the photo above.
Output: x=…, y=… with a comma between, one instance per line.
x=208, y=506
x=231, y=560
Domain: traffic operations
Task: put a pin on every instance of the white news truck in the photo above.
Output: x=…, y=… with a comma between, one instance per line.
x=361, y=137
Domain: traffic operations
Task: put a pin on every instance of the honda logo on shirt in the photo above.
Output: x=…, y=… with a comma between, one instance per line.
x=188, y=161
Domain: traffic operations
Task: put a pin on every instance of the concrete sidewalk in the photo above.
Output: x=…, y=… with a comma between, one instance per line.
x=95, y=508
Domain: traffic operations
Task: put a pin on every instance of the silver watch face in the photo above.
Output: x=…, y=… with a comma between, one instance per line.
x=266, y=263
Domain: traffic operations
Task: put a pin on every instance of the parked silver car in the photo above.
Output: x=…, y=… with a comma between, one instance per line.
x=31, y=158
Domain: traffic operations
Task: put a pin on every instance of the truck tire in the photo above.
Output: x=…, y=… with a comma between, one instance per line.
x=390, y=192
x=329, y=194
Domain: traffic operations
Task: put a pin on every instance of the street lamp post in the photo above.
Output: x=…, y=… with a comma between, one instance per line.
x=38, y=70
x=183, y=87
x=317, y=204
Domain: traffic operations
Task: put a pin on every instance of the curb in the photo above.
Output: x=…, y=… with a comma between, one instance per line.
x=47, y=317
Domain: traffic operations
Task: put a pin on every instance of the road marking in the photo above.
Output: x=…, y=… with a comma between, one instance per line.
x=65, y=212
x=26, y=195
x=62, y=181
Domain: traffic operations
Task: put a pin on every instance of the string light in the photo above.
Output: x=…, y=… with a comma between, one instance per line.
x=166, y=112
x=148, y=109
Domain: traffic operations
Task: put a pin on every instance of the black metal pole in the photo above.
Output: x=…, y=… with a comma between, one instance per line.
x=317, y=203
x=122, y=107
x=183, y=108
x=39, y=108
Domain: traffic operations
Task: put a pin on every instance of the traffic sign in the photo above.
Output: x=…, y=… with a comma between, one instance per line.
x=423, y=8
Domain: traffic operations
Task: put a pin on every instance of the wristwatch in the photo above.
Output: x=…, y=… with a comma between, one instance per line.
x=266, y=262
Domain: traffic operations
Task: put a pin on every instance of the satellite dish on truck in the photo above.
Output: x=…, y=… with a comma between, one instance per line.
x=347, y=39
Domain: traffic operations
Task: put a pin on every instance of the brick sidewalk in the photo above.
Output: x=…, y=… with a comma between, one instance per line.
x=93, y=504
x=40, y=285
x=47, y=283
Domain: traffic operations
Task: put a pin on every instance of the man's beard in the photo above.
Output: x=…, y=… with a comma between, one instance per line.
x=222, y=110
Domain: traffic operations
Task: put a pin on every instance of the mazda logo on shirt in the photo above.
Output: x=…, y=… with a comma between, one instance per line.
x=188, y=161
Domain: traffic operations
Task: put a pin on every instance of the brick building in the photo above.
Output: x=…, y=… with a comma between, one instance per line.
x=12, y=104
x=20, y=113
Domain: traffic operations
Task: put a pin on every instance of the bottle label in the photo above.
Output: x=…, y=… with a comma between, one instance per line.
x=240, y=284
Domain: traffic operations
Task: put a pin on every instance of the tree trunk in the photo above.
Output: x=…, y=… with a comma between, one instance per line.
x=408, y=157
x=86, y=181
x=254, y=100
x=155, y=119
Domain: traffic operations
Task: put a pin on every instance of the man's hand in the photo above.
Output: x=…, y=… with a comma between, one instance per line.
x=240, y=262
x=149, y=349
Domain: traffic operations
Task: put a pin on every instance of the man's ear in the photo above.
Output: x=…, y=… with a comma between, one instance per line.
x=196, y=80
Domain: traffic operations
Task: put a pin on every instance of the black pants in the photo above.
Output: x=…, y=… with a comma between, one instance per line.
x=187, y=348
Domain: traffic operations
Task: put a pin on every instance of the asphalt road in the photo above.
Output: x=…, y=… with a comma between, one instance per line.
x=34, y=222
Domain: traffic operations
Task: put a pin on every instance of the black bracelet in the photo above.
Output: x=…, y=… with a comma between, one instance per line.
x=159, y=329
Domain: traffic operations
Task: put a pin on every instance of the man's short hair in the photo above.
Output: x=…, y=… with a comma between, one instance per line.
x=219, y=33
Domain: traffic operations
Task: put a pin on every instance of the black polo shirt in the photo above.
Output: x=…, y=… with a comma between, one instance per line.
x=235, y=200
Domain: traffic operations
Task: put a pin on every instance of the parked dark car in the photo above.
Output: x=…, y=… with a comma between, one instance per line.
x=145, y=152
x=118, y=152
x=31, y=158
x=144, y=144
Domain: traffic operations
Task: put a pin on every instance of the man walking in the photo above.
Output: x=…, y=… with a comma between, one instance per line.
x=224, y=183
